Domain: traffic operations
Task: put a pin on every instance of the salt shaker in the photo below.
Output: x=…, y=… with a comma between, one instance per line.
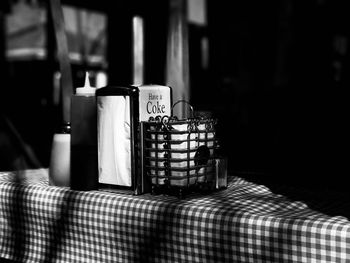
x=59, y=170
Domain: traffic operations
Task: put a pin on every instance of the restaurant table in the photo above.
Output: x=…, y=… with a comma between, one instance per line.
x=245, y=222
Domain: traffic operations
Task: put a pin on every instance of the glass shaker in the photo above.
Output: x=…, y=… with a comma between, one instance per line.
x=59, y=170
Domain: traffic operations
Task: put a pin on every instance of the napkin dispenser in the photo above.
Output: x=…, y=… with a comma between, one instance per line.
x=120, y=113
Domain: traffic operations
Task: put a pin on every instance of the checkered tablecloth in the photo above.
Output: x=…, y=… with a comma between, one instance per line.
x=244, y=223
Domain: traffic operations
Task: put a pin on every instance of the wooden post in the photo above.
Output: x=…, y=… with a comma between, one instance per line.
x=63, y=58
x=138, y=50
x=177, y=63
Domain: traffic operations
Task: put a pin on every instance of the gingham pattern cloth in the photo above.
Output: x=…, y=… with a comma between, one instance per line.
x=244, y=223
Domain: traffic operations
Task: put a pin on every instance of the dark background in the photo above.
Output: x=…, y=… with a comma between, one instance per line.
x=272, y=82
x=274, y=68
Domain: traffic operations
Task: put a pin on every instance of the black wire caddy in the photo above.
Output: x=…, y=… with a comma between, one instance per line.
x=180, y=155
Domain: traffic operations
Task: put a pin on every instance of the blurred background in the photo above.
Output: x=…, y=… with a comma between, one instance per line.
x=274, y=73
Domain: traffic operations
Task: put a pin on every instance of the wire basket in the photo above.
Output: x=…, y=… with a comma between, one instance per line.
x=180, y=154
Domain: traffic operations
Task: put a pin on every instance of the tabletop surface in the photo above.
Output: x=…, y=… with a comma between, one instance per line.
x=244, y=223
